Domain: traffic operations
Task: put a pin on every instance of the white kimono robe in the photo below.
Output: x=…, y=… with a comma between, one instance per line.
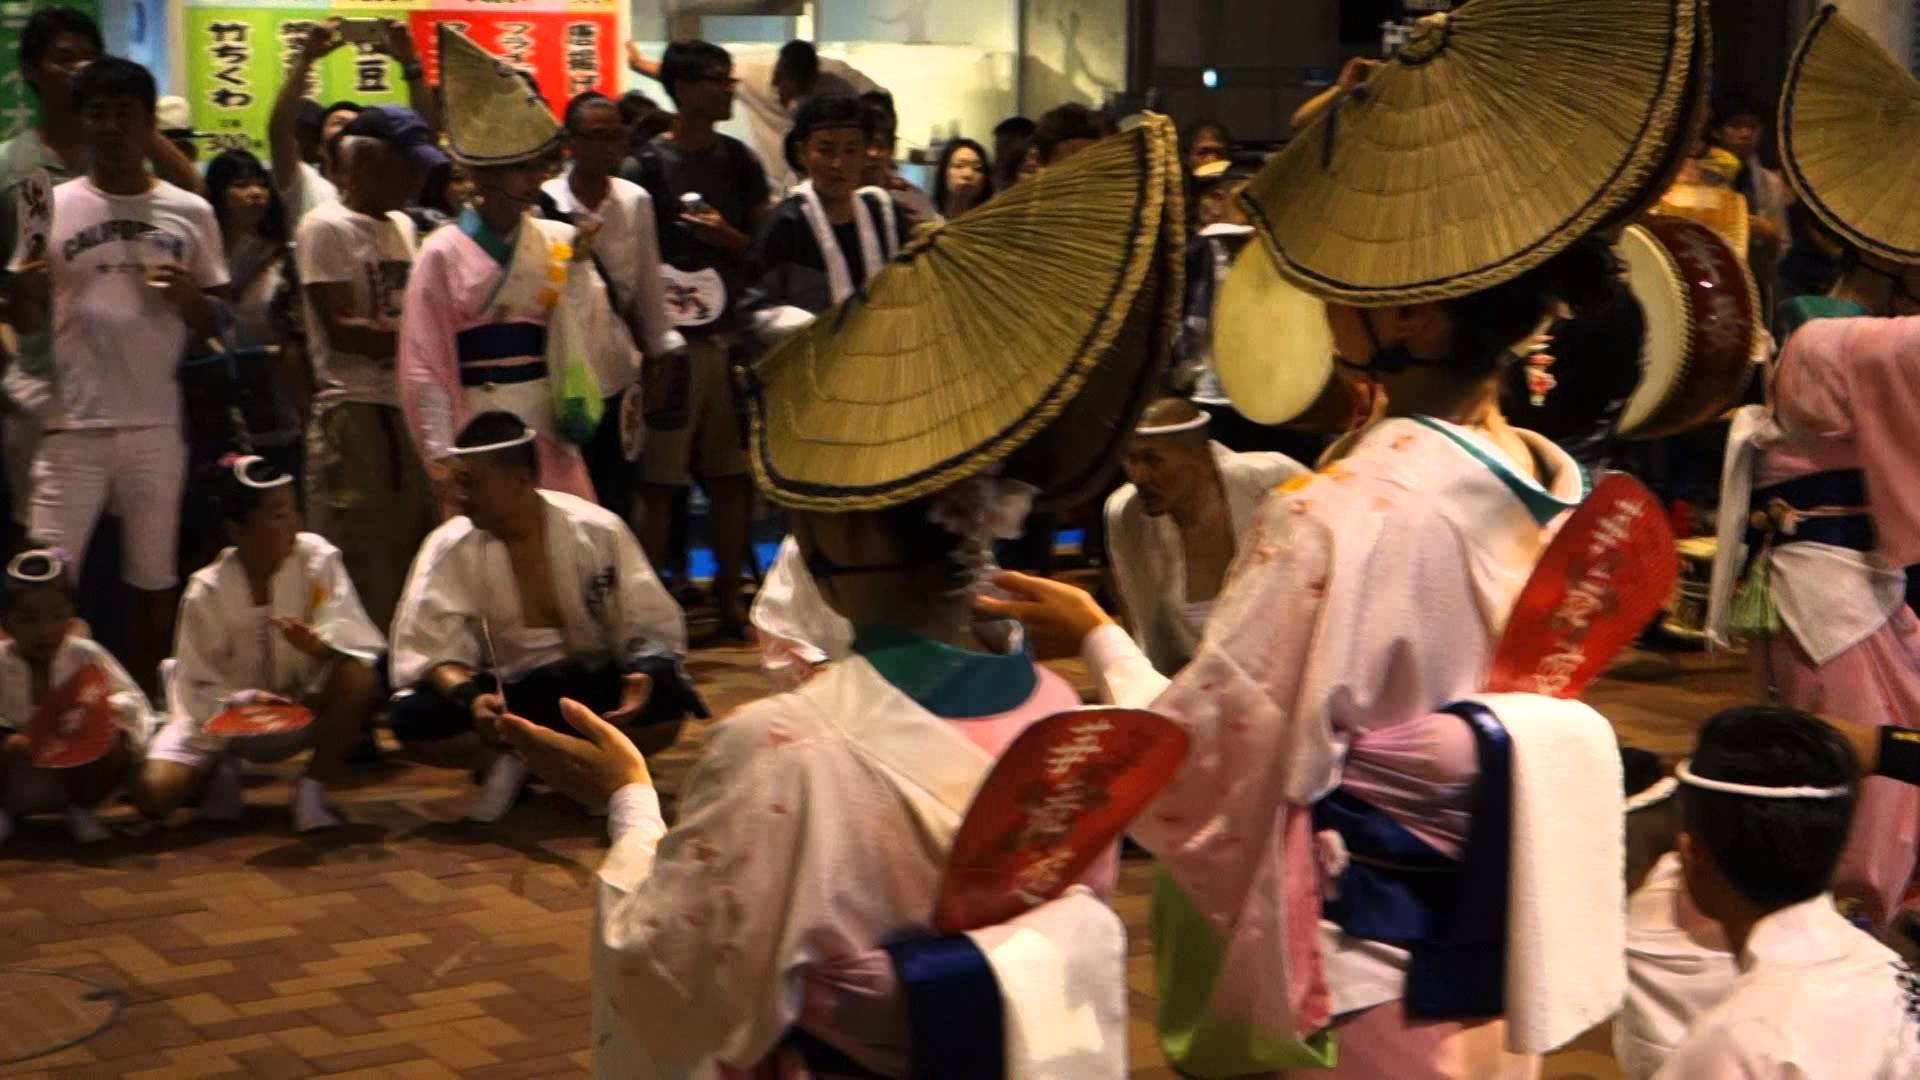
x=817, y=827
x=1816, y=999
x=217, y=615
x=16, y=687
x=461, y=591
x=1149, y=560
x=1363, y=599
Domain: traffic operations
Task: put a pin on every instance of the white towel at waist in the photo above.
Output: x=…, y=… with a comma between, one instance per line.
x=1062, y=970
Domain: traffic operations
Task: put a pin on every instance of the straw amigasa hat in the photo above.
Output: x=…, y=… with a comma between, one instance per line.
x=1500, y=134
x=493, y=115
x=1850, y=137
x=1025, y=336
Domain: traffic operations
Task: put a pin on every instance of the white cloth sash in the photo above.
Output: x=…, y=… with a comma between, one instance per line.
x=875, y=250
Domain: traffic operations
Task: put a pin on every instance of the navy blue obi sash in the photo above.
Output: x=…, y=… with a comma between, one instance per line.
x=1836, y=487
x=1450, y=915
x=501, y=341
x=955, y=1027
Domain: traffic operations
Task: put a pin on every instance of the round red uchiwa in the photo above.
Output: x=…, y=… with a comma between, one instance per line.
x=242, y=721
x=76, y=724
x=1058, y=798
x=1605, y=575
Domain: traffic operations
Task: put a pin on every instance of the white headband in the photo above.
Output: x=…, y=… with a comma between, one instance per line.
x=1686, y=776
x=1194, y=424
x=1658, y=792
x=521, y=439
x=56, y=565
x=242, y=464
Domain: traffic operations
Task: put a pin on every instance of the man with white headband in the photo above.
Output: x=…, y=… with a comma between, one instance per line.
x=528, y=597
x=1176, y=527
x=1765, y=805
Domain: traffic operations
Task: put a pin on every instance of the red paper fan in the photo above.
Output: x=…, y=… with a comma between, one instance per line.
x=76, y=725
x=243, y=721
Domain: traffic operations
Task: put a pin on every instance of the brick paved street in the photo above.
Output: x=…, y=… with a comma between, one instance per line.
x=409, y=945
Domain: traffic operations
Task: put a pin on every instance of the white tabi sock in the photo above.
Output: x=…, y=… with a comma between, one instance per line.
x=310, y=811
x=501, y=787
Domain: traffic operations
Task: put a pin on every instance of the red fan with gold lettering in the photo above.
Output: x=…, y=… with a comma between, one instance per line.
x=76, y=724
x=1606, y=574
x=263, y=718
x=1058, y=798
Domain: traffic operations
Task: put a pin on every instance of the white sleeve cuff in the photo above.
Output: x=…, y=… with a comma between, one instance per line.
x=631, y=807
x=1125, y=676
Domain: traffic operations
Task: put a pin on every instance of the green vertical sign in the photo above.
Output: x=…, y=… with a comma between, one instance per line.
x=236, y=58
x=16, y=100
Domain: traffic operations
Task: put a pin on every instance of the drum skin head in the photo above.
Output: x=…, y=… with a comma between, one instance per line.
x=1655, y=281
x=1272, y=347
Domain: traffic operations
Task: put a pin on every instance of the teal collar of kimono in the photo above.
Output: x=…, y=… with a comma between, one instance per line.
x=500, y=247
x=948, y=681
x=1544, y=505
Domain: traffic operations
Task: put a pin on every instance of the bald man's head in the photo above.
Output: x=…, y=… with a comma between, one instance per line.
x=1169, y=457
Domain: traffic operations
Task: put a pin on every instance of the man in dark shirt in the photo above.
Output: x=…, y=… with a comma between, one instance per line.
x=710, y=193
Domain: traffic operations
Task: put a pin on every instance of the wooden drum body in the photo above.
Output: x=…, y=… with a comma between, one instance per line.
x=1703, y=316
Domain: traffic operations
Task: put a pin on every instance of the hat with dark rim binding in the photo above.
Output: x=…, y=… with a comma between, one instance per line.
x=1025, y=336
x=1500, y=134
x=1850, y=137
x=493, y=115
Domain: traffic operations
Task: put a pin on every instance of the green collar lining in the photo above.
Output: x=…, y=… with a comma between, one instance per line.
x=948, y=681
x=1541, y=503
x=500, y=247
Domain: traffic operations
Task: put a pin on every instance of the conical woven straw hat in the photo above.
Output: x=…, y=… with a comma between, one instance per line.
x=1850, y=137
x=493, y=116
x=1500, y=134
x=1026, y=335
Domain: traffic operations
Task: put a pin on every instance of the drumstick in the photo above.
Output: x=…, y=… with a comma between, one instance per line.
x=493, y=662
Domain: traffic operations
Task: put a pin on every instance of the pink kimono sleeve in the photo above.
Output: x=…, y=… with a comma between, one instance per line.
x=1859, y=380
x=428, y=365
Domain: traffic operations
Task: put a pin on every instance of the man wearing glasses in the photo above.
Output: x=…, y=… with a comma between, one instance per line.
x=709, y=194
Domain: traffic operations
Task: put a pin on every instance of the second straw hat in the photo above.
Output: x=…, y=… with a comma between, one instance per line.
x=1850, y=137
x=1498, y=135
x=1025, y=337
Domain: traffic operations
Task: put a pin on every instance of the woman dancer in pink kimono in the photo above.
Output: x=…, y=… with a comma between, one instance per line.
x=1823, y=481
x=1371, y=594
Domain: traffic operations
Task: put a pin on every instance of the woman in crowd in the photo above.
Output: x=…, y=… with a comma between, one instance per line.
x=963, y=181
x=264, y=334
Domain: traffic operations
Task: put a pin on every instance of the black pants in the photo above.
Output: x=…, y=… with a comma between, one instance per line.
x=425, y=716
x=607, y=465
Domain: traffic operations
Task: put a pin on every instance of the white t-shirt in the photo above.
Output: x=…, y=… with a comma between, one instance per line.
x=117, y=343
x=372, y=255
x=308, y=192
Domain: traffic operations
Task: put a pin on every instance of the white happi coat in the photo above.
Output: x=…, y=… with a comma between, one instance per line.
x=1362, y=599
x=1149, y=559
x=217, y=614
x=461, y=591
x=817, y=827
x=129, y=702
x=1817, y=999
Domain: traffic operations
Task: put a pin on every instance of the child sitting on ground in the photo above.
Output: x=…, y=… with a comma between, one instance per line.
x=45, y=667
x=273, y=620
